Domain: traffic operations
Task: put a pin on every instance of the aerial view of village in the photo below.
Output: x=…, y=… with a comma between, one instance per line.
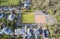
x=29, y=19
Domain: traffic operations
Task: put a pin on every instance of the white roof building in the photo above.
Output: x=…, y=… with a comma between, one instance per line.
x=11, y=17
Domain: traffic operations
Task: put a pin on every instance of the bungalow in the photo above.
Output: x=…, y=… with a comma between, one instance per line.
x=11, y=17
x=7, y=31
x=19, y=31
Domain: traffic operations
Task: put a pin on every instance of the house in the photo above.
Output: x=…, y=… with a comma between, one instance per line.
x=11, y=17
x=19, y=31
x=7, y=31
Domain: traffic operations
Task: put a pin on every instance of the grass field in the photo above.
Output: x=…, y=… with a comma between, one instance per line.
x=9, y=2
x=28, y=18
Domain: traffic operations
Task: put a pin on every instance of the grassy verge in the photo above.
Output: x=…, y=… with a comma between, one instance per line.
x=9, y=2
x=28, y=17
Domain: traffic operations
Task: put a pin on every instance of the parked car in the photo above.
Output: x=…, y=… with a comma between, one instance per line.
x=19, y=31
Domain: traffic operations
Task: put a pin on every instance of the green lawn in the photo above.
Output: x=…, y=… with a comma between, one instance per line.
x=9, y=2
x=28, y=17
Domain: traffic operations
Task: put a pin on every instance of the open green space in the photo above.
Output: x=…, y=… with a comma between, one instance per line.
x=28, y=17
x=8, y=2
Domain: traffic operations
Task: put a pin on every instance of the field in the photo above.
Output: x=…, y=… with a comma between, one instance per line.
x=9, y=2
x=28, y=18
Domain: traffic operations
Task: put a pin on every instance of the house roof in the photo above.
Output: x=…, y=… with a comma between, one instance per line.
x=6, y=31
x=11, y=17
